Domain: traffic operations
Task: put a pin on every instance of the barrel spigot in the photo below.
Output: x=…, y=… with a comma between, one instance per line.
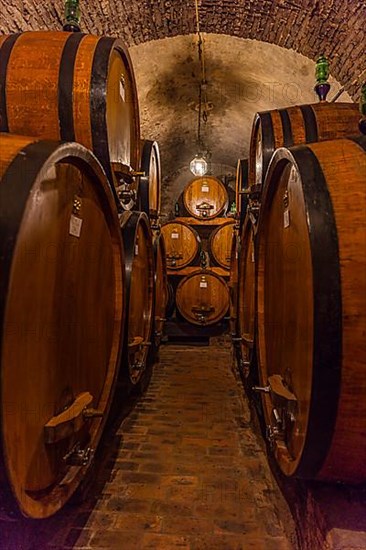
x=322, y=85
x=362, y=123
x=72, y=16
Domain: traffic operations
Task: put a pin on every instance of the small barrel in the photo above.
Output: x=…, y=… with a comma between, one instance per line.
x=161, y=287
x=73, y=87
x=312, y=309
x=61, y=318
x=221, y=242
x=294, y=126
x=182, y=244
x=241, y=185
x=150, y=183
x=139, y=256
x=202, y=298
x=246, y=294
x=205, y=197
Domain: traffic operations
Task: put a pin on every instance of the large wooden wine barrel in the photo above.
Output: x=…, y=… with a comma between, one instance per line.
x=205, y=197
x=294, y=126
x=150, y=183
x=139, y=258
x=73, y=87
x=182, y=244
x=161, y=287
x=241, y=184
x=246, y=295
x=312, y=309
x=61, y=318
x=220, y=244
x=202, y=298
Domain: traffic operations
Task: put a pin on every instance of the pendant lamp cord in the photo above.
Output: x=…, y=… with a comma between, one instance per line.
x=202, y=93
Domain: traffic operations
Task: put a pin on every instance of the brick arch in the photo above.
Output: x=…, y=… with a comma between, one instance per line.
x=310, y=27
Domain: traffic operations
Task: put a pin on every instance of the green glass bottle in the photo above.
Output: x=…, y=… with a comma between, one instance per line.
x=322, y=72
x=72, y=16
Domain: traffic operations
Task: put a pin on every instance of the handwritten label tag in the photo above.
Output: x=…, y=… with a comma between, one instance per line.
x=175, y=235
x=75, y=226
x=203, y=285
x=205, y=188
x=286, y=218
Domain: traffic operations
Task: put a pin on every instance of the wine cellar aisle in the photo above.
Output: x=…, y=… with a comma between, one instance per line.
x=183, y=470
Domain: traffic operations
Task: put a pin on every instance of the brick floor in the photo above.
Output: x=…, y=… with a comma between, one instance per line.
x=183, y=471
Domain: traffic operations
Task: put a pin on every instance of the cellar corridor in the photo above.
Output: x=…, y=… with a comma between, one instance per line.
x=184, y=470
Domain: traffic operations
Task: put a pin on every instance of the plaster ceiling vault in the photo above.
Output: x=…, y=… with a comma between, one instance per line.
x=259, y=53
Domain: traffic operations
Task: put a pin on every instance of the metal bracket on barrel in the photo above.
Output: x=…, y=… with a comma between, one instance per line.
x=204, y=209
x=201, y=312
x=285, y=406
x=172, y=258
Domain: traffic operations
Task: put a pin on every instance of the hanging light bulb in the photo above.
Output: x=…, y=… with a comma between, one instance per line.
x=198, y=166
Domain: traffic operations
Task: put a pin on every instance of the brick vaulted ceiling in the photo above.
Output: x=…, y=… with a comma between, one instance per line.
x=259, y=55
x=335, y=27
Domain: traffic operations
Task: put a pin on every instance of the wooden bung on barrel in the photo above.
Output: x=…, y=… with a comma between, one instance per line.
x=73, y=87
x=312, y=309
x=220, y=243
x=182, y=244
x=139, y=260
x=202, y=298
x=150, y=183
x=61, y=318
x=296, y=125
x=205, y=197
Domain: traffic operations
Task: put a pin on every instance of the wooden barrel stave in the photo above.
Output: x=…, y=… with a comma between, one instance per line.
x=241, y=183
x=74, y=87
x=138, y=245
x=246, y=294
x=233, y=284
x=51, y=317
x=161, y=286
x=205, y=197
x=182, y=244
x=202, y=298
x=294, y=126
x=315, y=339
x=220, y=244
x=150, y=183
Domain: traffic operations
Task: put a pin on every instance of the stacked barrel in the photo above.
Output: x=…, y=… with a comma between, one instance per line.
x=198, y=247
x=301, y=288
x=83, y=278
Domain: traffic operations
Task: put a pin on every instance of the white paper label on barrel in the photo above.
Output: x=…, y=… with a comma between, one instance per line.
x=286, y=218
x=203, y=285
x=175, y=235
x=205, y=188
x=75, y=226
x=122, y=92
x=136, y=249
